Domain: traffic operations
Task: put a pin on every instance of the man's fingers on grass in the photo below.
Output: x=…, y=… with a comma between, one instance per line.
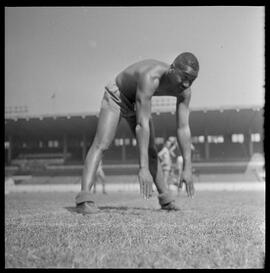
x=140, y=183
x=180, y=184
x=188, y=190
x=193, y=190
x=145, y=191
x=148, y=191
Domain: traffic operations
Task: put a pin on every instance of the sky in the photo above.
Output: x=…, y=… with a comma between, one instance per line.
x=58, y=59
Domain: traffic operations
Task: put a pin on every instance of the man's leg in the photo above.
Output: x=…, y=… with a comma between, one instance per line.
x=101, y=178
x=106, y=128
x=103, y=185
x=103, y=182
x=180, y=168
x=95, y=187
x=165, y=197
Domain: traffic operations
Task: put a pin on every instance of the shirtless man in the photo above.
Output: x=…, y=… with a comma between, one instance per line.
x=129, y=96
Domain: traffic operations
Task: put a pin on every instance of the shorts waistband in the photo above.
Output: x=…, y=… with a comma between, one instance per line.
x=125, y=106
x=112, y=86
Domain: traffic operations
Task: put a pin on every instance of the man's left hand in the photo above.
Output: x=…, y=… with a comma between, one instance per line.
x=187, y=179
x=146, y=182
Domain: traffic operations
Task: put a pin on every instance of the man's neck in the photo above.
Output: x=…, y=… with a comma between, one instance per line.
x=164, y=84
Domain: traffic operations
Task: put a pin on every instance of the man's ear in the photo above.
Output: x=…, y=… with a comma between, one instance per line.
x=172, y=68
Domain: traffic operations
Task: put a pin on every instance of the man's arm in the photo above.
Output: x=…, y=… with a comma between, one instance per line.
x=184, y=138
x=143, y=111
x=145, y=89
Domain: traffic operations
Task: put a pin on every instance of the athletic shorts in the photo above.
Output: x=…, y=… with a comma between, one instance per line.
x=115, y=100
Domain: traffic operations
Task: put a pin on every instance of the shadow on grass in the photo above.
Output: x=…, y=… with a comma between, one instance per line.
x=117, y=209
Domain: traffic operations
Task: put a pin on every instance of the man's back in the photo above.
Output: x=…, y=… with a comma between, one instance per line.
x=128, y=79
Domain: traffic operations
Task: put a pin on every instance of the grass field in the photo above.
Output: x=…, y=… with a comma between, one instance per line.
x=214, y=230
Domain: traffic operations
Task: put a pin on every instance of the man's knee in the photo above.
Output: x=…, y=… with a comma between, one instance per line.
x=102, y=146
x=152, y=153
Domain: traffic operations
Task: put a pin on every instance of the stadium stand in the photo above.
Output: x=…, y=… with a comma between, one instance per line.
x=50, y=143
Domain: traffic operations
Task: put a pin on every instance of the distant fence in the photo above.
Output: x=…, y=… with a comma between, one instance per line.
x=16, y=110
x=131, y=169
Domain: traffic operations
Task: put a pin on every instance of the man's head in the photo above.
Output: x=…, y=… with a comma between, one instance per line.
x=184, y=70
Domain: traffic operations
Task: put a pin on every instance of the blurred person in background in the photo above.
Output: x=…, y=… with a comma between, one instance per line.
x=165, y=156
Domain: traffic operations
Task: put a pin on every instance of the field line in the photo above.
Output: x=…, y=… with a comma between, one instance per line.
x=202, y=186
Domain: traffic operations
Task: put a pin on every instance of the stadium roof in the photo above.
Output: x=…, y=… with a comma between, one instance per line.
x=214, y=121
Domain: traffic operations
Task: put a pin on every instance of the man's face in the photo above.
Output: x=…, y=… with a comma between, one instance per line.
x=179, y=79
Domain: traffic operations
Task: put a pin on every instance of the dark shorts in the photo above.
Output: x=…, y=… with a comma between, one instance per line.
x=115, y=100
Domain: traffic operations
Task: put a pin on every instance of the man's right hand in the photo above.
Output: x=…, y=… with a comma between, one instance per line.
x=146, y=182
x=187, y=179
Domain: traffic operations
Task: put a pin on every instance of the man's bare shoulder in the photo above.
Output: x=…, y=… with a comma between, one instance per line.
x=144, y=73
x=149, y=74
x=145, y=67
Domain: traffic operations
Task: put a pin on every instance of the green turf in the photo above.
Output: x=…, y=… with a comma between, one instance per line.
x=213, y=230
